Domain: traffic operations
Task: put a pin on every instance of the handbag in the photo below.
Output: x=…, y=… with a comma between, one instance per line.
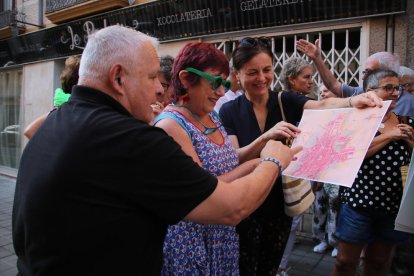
x=297, y=192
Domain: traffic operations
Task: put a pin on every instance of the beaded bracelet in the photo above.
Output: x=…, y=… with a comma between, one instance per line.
x=274, y=160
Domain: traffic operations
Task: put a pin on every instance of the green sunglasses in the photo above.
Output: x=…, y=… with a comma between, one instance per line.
x=215, y=81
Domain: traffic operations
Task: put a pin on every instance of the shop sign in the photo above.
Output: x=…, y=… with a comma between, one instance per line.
x=182, y=19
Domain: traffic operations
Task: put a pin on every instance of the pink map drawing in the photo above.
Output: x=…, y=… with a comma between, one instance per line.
x=335, y=142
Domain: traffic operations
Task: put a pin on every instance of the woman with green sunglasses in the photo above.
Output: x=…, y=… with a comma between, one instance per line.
x=198, y=79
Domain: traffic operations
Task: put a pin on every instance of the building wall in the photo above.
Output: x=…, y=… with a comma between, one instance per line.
x=172, y=48
x=39, y=83
x=377, y=27
x=400, y=37
x=409, y=62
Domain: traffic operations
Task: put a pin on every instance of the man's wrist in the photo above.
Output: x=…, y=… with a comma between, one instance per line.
x=275, y=161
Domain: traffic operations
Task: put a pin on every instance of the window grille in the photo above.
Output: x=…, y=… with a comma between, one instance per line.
x=341, y=52
x=10, y=130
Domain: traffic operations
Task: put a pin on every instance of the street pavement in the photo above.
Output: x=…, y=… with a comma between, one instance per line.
x=7, y=256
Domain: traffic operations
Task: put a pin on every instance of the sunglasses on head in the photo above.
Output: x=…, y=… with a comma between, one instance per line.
x=215, y=81
x=252, y=42
x=366, y=71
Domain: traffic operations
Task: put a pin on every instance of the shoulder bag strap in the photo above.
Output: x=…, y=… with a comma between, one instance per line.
x=279, y=98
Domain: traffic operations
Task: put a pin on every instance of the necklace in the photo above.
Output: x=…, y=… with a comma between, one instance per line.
x=382, y=125
x=207, y=130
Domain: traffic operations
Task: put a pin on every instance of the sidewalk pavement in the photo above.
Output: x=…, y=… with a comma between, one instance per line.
x=303, y=260
x=7, y=256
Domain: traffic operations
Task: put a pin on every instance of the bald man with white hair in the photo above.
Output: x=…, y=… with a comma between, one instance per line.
x=405, y=103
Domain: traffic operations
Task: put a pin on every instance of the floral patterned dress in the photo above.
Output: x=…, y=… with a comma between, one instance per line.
x=198, y=249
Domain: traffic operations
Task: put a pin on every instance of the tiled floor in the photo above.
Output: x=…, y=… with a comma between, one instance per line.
x=304, y=261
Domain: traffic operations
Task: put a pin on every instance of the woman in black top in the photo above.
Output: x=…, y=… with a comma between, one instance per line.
x=253, y=119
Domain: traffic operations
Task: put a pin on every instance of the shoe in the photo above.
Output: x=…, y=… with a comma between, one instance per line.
x=321, y=248
x=334, y=252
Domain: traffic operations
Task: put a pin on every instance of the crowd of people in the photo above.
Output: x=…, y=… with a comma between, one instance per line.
x=173, y=166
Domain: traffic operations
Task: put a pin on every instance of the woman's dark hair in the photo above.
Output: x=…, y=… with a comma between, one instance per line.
x=248, y=48
x=201, y=56
x=70, y=74
x=166, y=63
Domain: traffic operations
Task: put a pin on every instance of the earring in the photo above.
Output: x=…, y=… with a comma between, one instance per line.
x=238, y=82
x=186, y=98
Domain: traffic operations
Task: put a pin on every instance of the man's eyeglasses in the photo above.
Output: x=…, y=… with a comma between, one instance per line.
x=215, y=81
x=389, y=88
x=252, y=42
x=165, y=86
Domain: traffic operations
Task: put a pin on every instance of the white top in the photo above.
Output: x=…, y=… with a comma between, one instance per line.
x=228, y=96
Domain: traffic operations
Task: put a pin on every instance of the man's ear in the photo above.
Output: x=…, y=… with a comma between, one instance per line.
x=116, y=76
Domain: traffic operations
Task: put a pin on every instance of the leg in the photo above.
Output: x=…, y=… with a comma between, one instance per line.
x=377, y=258
x=354, y=230
x=291, y=241
x=332, y=208
x=262, y=242
x=273, y=243
x=347, y=259
x=319, y=212
x=249, y=236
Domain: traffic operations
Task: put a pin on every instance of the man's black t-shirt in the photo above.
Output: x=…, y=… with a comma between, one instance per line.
x=96, y=189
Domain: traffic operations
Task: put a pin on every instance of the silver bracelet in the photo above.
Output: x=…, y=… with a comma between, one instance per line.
x=349, y=102
x=274, y=160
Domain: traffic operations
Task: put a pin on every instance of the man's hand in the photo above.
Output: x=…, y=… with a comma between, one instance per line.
x=308, y=48
x=365, y=99
x=276, y=149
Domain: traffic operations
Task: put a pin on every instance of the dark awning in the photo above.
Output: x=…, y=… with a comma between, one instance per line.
x=180, y=19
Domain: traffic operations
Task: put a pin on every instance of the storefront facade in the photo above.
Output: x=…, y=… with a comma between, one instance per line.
x=348, y=30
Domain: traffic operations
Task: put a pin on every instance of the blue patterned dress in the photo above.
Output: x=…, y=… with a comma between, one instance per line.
x=198, y=249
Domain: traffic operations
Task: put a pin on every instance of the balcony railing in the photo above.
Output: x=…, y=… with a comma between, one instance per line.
x=59, y=11
x=56, y=5
x=11, y=23
x=8, y=18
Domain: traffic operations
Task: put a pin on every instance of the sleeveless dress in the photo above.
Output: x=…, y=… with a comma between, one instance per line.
x=199, y=249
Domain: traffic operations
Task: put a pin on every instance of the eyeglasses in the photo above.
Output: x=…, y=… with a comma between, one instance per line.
x=252, y=42
x=215, y=81
x=165, y=85
x=389, y=88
